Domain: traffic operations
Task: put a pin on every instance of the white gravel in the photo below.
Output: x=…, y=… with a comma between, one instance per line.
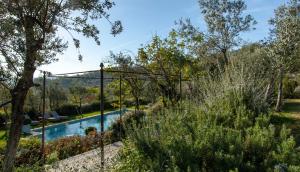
x=88, y=161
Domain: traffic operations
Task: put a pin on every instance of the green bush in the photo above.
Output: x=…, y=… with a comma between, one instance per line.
x=71, y=109
x=67, y=110
x=156, y=108
x=228, y=129
x=190, y=141
x=33, y=114
x=29, y=151
x=26, y=121
x=2, y=121
x=90, y=129
x=70, y=146
x=129, y=119
x=289, y=87
x=30, y=168
x=29, y=157
x=52, y=157
x=74, y=145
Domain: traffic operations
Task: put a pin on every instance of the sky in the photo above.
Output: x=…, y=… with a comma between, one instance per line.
x=142, y=19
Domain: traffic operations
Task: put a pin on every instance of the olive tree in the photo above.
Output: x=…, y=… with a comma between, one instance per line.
x=164, y=60
x=56, y=94
x=225, y=21
x=134, y=82
x=284, y=42
x=29, y=38
x=79, y=95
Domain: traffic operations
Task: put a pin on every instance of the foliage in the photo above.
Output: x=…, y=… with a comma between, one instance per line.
x=285, y=35
x=29, y=168
x=225, y=20
x=52, y=157
x=70, y=109
x=56, y=94
x=156, y=108
x=26, y=121
x=33, y=100
x=191, y=141
x=3, y=120
x=33, y=114
x=227, y=128
x=284, y=43
x=167, y=58
x=90, y=130
x=30, y=38
x=74, y=145
x=79, y=94
x=133, y=82
x=289, y=86
x=129, y=120
x=29, y=151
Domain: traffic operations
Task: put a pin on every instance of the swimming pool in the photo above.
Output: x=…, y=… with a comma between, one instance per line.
x=77, y=127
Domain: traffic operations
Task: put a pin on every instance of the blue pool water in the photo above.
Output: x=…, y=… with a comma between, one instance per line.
x=77, y=127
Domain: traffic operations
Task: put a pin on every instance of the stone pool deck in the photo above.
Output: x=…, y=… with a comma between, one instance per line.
x=88, y=161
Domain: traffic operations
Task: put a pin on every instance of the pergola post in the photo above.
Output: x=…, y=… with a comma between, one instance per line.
x=120, y=99
x=43, y=117
x=102, y=115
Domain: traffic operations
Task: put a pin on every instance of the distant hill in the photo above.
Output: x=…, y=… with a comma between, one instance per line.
x=86, y=80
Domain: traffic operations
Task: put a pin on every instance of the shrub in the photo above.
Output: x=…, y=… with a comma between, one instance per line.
x=2, y=121
x=228, y=129
x=26, y=121
x=52, y=157
x=67, y=110
x=129, y=119
x=289, y=87
x=88, y=130
x=74, y=145
x=29, y=168
x=70, y=146
x=156, y=108
x=33, y=114
x=29, y=151
x=189, y=141
x=70, y=109
x=29, y=155
x=95, y=106
x=297, y=92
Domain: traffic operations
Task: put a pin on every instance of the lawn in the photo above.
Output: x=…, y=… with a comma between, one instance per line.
x=290, y=116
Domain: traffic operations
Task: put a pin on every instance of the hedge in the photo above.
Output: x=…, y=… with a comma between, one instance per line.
x=71, y=109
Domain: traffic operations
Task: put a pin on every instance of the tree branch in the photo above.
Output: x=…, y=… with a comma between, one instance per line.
x=5, y=85
x=7, y=59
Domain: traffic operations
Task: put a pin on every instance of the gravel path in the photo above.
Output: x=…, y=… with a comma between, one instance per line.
x=88, y=161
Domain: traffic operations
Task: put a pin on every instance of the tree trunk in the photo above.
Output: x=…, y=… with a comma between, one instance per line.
x=137, y=103
x=19, y=95
x=270, y=89
x=280, y=87
x=224, y=52
x=18, y=99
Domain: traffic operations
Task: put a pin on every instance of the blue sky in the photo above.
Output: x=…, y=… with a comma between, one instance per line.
x=141, y=20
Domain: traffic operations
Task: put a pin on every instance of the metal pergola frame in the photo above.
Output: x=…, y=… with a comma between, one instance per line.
x=145, y=75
